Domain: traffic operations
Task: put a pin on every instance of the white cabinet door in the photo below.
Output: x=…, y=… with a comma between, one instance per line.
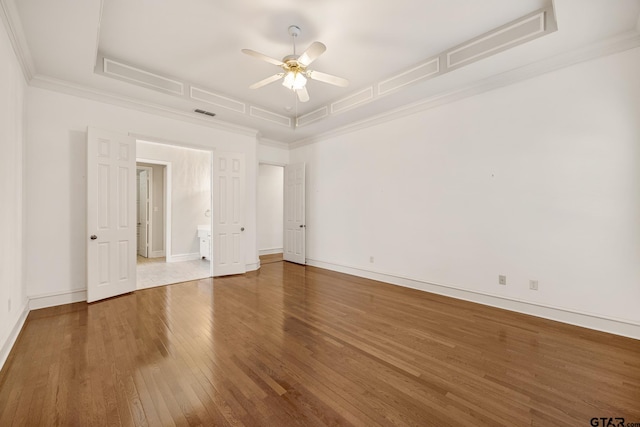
x=294, y=215
x=111, y=214
x=228, y=208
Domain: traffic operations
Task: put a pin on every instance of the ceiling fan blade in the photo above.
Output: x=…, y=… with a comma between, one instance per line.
x=263, y=57
x=312, y=53
x=266, y=81
x=327, y=78
x=303, y=95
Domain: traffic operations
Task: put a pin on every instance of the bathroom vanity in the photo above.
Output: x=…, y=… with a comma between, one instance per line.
x=204, y=235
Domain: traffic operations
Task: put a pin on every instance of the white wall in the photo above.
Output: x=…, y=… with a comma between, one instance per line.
x=190, y=192
x=273, y=155
x=56, y=185
x=157, y=210
x=537, y=180
x=270, y=209
x=12, y=122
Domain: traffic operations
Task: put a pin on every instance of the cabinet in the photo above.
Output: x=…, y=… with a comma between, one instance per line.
x=204, y=236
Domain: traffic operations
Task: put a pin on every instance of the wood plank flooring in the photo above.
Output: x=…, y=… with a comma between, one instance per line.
x=301, y=346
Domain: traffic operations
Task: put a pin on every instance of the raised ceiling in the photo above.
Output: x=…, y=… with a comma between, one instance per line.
x=197, y=45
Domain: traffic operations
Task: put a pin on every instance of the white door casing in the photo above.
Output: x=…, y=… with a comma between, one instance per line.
x=294, y=214
x=111, y=214
x=143, y=213
x=228, y=218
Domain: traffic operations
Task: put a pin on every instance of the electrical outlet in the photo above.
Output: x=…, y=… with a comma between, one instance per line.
x=371, y=259
x=533, y=285
x=502, y=280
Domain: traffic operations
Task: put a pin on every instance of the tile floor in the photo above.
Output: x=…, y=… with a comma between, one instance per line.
x=156, y=271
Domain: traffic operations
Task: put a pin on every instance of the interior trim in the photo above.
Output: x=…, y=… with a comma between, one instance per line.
x=63, y=86
x=142, y=77
x=629, y=40
x=9, y=16
x=270, y=251
x=57, y=298
x=218, y=100
x=623, y=327
x=270, y=116
x=352, y=100
x=312, y=116
x=13, y=335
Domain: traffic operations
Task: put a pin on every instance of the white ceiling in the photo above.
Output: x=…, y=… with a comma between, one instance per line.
x=200, y=41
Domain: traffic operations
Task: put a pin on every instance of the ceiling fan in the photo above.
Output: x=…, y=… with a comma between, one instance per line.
x=295, y=72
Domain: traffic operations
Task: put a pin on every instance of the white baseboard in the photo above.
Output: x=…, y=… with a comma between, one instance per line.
x=59, y=298
x=13, y=335
x=253, y=266
x=157, y=254
x=270, y=251
x=184, y=257
x=572, y=317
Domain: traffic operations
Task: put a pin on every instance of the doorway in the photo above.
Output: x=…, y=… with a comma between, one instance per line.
x=270, y=212
x=111, y=212
x=144, y=204
x=180, y=199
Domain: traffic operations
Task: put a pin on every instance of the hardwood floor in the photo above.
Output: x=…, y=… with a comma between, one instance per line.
x=294, y=345
x=268, y=259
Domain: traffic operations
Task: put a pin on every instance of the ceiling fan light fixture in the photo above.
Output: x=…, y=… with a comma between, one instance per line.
x=294, y=80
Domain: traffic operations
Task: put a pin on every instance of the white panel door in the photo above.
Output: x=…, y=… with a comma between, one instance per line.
x=294, y=216
x=143, y=213
x=228, y=208
x=111, y=214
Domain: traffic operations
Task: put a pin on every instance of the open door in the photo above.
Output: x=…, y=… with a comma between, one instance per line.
x=111, y=214
x=228, y=209
x=294, y=215
x=143, y=212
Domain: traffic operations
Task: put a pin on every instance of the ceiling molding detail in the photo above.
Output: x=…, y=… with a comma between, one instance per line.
x=427, y=69
x=217, y=100
x=15, y=31
x=269, y=116
x=49, y=83
x=629, y=40
x=10, y=17
x=352, y=100
x=517, y=32
x=313, y=116
x=272, y=143
x=514, y=33
x=128, y=73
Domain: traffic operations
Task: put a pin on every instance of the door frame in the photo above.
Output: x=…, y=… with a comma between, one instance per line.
x=167, y=186
x=281, y=165
x=150, y=205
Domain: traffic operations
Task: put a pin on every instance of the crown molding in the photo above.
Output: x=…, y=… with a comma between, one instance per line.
x=620, y=43
x=272, y=143
x=13, y=25
x=56, y=85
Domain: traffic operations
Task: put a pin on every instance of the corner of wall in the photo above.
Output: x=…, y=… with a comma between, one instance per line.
x=7, y=345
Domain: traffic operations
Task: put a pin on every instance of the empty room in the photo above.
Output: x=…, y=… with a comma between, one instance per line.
x=419, y=213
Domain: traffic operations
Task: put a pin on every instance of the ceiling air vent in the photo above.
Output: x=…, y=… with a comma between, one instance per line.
x=206, y=113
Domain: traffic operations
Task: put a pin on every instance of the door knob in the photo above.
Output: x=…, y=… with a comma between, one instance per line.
x=303, y=226
x=94, y=237
x=241, y=228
